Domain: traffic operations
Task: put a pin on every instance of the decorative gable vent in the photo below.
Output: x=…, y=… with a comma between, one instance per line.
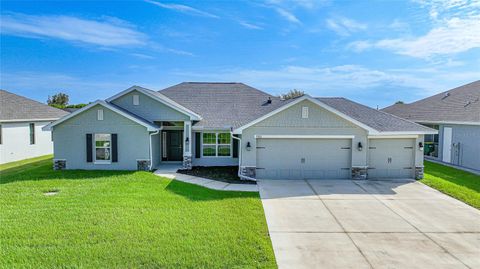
x=305, y=112
x=136, y=100
x=100, y=114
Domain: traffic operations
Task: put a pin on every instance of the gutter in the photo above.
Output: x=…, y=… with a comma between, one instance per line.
x=151, y=150
x=240, y=159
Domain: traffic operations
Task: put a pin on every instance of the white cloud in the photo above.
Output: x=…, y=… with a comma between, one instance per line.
x=457, y=35
x=455, y=29
x=110, y=32
x=40, y=85
x=250, y=25
x=306, y=4
x=360, y=45
x=287, y=15
x=142, y=56
x=352, y=81
x=345, y=26
x=184, y=9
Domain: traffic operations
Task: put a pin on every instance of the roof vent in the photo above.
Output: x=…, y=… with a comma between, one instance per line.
x=269, y=101
x=447, y=94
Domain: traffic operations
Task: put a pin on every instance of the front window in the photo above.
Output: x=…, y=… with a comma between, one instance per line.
x=431, y=143
x=216, y=144
x=103, y=147
x=32, y=133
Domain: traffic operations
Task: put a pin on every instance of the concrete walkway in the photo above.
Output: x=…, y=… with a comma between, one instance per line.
x=368, y=224
x=170, y=171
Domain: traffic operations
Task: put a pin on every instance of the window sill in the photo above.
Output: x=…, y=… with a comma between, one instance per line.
x=100, y=162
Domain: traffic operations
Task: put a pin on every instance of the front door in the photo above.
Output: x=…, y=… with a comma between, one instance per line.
x=173, y=146
x=447, y=145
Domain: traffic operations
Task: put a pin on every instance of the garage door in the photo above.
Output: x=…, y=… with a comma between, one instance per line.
x=303, y=158
x=391, y=158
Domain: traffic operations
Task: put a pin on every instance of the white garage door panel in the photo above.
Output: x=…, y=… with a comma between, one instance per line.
x=303, y=158
x=391, y=158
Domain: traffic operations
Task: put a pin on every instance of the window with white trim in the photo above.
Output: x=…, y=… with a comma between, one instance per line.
x=305, y=112
x=103, y=147
x=136, y=100
x=216, y=145
x=100, y=114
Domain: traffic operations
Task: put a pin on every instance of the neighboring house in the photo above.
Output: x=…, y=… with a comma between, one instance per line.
x=456, y=114
x=21, y=123
x=232, y=124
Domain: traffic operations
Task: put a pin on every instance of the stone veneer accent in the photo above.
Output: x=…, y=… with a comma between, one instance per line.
x=419, y=172
x=59, y=164
x=143, y=165
x=359, y=172
x=248, y=171
x=187, y=163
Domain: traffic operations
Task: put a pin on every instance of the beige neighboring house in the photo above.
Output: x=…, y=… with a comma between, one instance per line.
x=21, y=123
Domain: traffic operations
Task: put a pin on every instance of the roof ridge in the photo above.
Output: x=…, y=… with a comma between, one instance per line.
x=207, y=82
x=447, y=91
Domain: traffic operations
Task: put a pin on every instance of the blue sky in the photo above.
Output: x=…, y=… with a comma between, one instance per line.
x=373, y=52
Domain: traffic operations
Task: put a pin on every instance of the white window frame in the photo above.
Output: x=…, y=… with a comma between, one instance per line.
x=100, y=114
x=217, y=144
x=305, y=112
x=136, y=100
x=95, y=149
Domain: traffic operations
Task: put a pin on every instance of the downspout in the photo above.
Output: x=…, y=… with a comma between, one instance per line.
x=151, y=150
x=240, y=158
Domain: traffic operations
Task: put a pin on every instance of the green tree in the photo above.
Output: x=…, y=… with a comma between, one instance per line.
x=399, y=102
x=292, y=94
x=59, y=100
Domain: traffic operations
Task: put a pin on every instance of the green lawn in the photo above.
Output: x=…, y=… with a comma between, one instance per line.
x=106, y=219
x=462, y=185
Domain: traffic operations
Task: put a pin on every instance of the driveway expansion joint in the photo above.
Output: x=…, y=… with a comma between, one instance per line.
x=345, y=224
x=416, y=228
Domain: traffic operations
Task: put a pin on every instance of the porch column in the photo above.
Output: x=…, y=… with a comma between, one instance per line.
x=187, y=145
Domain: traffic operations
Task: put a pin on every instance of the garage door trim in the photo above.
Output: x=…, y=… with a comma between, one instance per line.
x=304, y=136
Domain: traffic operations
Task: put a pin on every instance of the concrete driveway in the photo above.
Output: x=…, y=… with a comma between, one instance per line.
x=368, y=224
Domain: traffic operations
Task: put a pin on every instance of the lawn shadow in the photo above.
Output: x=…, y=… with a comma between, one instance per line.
x=198, y=193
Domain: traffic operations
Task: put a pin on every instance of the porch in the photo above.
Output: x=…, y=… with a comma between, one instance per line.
x=177, y=143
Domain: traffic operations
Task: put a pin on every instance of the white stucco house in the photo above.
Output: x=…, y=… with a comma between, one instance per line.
x=233, y=124
x=21, y=123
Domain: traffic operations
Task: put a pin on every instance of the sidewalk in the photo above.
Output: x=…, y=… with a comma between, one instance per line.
x=171, y=172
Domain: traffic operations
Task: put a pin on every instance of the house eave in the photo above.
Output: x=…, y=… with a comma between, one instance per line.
x=448, y=122
x=30, y=120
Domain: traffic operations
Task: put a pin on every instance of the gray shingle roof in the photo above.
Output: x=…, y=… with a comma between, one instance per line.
x=223, y=105
x=16, y=107
x=373, y=118
x=460, y=104
x=133, y=115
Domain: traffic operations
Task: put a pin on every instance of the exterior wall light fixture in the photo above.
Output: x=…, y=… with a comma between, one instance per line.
x=360, y=146
x=249, y=146
x=420, y=146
